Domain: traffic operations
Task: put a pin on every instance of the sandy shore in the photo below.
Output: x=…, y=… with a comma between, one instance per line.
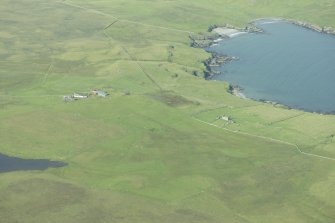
x=228, y=32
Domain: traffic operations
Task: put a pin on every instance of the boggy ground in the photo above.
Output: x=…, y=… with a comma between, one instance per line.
x=141, y=154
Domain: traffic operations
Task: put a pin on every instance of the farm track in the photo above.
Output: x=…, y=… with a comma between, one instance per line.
x=124, y=20
x=47, y=74
x=266, y=138
x=133, y=58
x=288, y=118
x=142, y=68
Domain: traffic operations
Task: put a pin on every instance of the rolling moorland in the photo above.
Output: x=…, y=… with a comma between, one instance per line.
x=153, y=150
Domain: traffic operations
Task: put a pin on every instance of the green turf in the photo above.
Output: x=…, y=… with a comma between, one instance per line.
x=144, y=154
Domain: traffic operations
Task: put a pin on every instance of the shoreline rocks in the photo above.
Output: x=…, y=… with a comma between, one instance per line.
x=203, y=40
x=319, y=29
x=217, y=33
x=236, y=90
x=216, y=60
x=250, y=28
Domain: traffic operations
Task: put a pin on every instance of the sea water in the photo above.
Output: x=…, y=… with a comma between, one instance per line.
x=287, y=64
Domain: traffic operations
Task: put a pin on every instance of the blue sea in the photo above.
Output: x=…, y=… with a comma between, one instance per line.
x=288, y=64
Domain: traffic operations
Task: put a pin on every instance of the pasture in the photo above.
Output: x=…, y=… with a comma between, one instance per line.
x=141, y=154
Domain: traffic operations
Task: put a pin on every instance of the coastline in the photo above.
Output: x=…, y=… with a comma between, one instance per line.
x=227, y=31
x=217, y=33
x=307, y=25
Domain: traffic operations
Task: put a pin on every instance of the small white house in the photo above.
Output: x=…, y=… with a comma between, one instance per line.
x=225, y=118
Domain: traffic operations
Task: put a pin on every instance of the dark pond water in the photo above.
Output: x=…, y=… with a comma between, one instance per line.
x=287, y=64
x=8, y=164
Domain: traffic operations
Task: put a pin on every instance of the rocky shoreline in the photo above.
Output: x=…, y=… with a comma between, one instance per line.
x=323, y=29
x=219, y=32
x=236, y=90
x=250, y=28
x=307, y=25
x=203, y=40
x=216, y=60
x=215, y=34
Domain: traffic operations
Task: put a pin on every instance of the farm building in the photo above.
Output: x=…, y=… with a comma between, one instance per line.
x=79, y=96
x=68, y=98
x=74, y=96
x=100, y=93
x=225, y=118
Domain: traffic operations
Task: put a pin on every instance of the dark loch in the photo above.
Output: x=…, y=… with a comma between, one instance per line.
x=8, y=164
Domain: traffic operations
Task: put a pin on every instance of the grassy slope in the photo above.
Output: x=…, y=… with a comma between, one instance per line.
x=142, y=157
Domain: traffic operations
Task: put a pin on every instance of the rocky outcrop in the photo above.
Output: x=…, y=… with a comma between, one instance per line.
x=250, y=28
x=236, y=90
x=327, y=30
x=216, y=60
x=203, y=40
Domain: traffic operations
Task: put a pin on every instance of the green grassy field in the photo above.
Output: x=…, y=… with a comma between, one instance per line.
x=153, y=151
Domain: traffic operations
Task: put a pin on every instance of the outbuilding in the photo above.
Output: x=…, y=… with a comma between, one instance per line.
x=100, y=93
x=79, y=96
